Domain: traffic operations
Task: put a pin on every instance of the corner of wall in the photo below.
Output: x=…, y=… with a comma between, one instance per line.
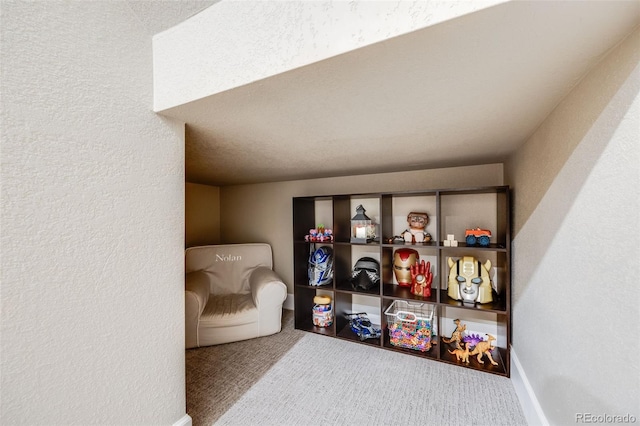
x=202, y=214
x=184, y=421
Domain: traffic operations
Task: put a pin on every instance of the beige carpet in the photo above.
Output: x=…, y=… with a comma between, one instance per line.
x=217, y=376
x=298, y=378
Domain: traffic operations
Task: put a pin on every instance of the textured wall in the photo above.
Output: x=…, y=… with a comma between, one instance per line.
x=92, y=222
x=202, y=214
x=264, y=212
x=284, y=35
x=576, y=184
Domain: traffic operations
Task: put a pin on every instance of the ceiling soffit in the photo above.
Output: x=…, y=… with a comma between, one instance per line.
x=467, y=91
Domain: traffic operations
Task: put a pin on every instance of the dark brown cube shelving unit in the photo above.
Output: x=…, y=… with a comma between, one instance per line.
x=450, y=211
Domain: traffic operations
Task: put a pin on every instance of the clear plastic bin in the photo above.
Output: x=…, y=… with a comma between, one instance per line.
x=410, y=325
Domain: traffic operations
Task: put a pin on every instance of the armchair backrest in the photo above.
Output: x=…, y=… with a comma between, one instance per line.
x=228, y=265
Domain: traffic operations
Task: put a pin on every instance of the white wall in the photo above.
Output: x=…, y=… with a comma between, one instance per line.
x=92, y=222
x=575, y=252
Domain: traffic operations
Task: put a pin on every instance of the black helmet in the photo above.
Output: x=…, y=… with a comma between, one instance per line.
x=366, y=274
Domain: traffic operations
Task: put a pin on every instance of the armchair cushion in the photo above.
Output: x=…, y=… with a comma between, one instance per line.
x=228, y=310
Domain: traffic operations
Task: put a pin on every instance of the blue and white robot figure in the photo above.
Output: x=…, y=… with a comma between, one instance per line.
x=321, y=266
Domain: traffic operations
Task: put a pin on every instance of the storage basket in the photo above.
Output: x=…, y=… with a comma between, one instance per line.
x=410, y=325
x=322, y=315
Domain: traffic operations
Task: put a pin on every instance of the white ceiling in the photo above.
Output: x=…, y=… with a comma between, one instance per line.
x=159, y=15
x=467, y=91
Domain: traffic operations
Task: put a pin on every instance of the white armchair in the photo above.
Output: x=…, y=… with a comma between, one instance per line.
x=231, y=294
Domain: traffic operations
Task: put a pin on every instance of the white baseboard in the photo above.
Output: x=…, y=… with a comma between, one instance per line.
x=288, y=302
x=184, y=421
x=530, y=405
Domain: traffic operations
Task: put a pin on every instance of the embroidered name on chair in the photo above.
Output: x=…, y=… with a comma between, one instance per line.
x=227, y=258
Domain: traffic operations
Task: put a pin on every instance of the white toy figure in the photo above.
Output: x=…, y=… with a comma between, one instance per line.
x=416, y=233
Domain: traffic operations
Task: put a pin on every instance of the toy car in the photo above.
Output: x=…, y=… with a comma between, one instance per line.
x=361, y=325
x=477, y=236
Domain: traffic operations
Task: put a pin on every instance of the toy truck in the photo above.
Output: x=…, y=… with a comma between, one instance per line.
x=477, y=236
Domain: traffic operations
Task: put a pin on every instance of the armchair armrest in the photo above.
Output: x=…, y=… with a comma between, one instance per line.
x=267, y=287
x=196, y=296
x=197, y=290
